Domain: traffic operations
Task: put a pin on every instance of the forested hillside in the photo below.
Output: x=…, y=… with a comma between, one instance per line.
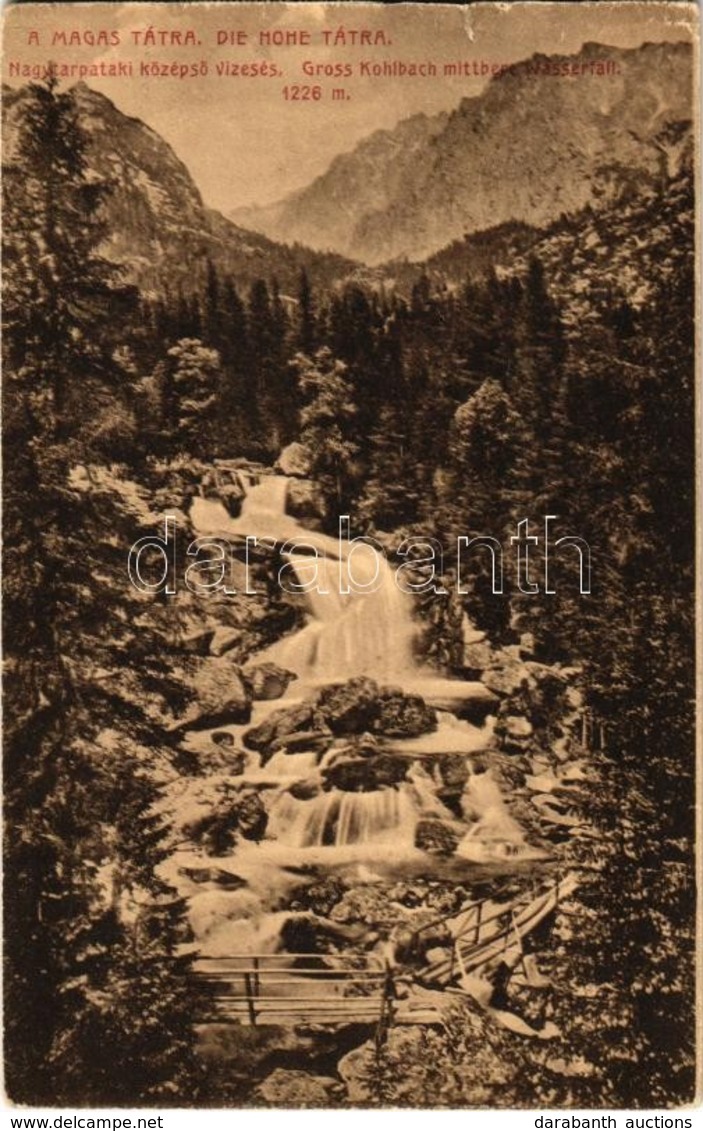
x=449, y=402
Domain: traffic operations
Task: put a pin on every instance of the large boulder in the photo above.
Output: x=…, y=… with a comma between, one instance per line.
x=222, y=738
x=402, y=716
x=267, y=681
x=364, y=775
x=370, y=903
x=358, y=708
x=303, y=741
x=221, y=698
x=516, y=731
x=437, y=837
x=507, y=675
x=217, y=832
x=361, y=705
x=293, y=1088
x=305, y=502
x=252, y=818
x=349, y=708
x=454, y=770
x=295, y=459
x=305, y=790
x=285, y=723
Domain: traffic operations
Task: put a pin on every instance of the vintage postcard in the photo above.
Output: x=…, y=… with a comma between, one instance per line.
x=349, y=556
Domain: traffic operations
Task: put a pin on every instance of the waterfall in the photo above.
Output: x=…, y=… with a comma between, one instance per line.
x=494, y=833
x=358, y=623
x=384, y=816
x=349, y=632
x=209, y=516
x=268, y=497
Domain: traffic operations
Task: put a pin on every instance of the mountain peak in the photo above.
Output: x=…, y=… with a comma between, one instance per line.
x=527, y=148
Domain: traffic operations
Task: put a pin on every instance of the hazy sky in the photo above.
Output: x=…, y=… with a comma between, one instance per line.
x=242, y=141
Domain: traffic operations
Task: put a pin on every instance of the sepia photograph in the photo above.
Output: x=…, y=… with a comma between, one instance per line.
x=349, y=557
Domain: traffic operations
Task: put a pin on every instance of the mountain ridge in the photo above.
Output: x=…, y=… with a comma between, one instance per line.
x=160, y=230
x=512, y=153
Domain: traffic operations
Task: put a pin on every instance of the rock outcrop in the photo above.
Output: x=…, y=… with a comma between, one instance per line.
x=267, y=681
x=305, y=502
x=295, y=459
x=293, y=1088
x=364, y=775
x=285, y=723
x=221, y=697
x=437, y=837
x=355, y=708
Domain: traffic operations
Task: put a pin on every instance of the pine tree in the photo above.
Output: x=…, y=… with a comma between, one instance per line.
x=193, y=378
x=306, y=337
x=538, y=386
x=84, y=672
x=327, y=425
x=234, y=413
x=484, y=335
x=212, y=309
x=352, y=336
x=391, y=495
x=484, y=495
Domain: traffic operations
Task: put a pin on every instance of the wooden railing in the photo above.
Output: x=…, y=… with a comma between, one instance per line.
x=267, y=989
x=485, y=939
x=336, y=989
x=285, y=988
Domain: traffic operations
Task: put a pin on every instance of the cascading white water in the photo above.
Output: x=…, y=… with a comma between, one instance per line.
x=350, y=632
x=347, y=634
x=267, y=497
x=360, y=621
x=494, y=834
x=343, y=819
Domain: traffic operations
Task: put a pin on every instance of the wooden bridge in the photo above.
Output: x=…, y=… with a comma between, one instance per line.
x=296, y=989
x=343, y=989
x=487, y=933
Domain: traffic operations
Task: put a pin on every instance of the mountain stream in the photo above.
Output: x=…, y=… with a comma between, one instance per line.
x=369, y=837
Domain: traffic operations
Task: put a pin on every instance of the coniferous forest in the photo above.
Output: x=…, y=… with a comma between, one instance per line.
x=431, y=401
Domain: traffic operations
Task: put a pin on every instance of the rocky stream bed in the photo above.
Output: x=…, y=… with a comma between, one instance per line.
x=325, y=801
